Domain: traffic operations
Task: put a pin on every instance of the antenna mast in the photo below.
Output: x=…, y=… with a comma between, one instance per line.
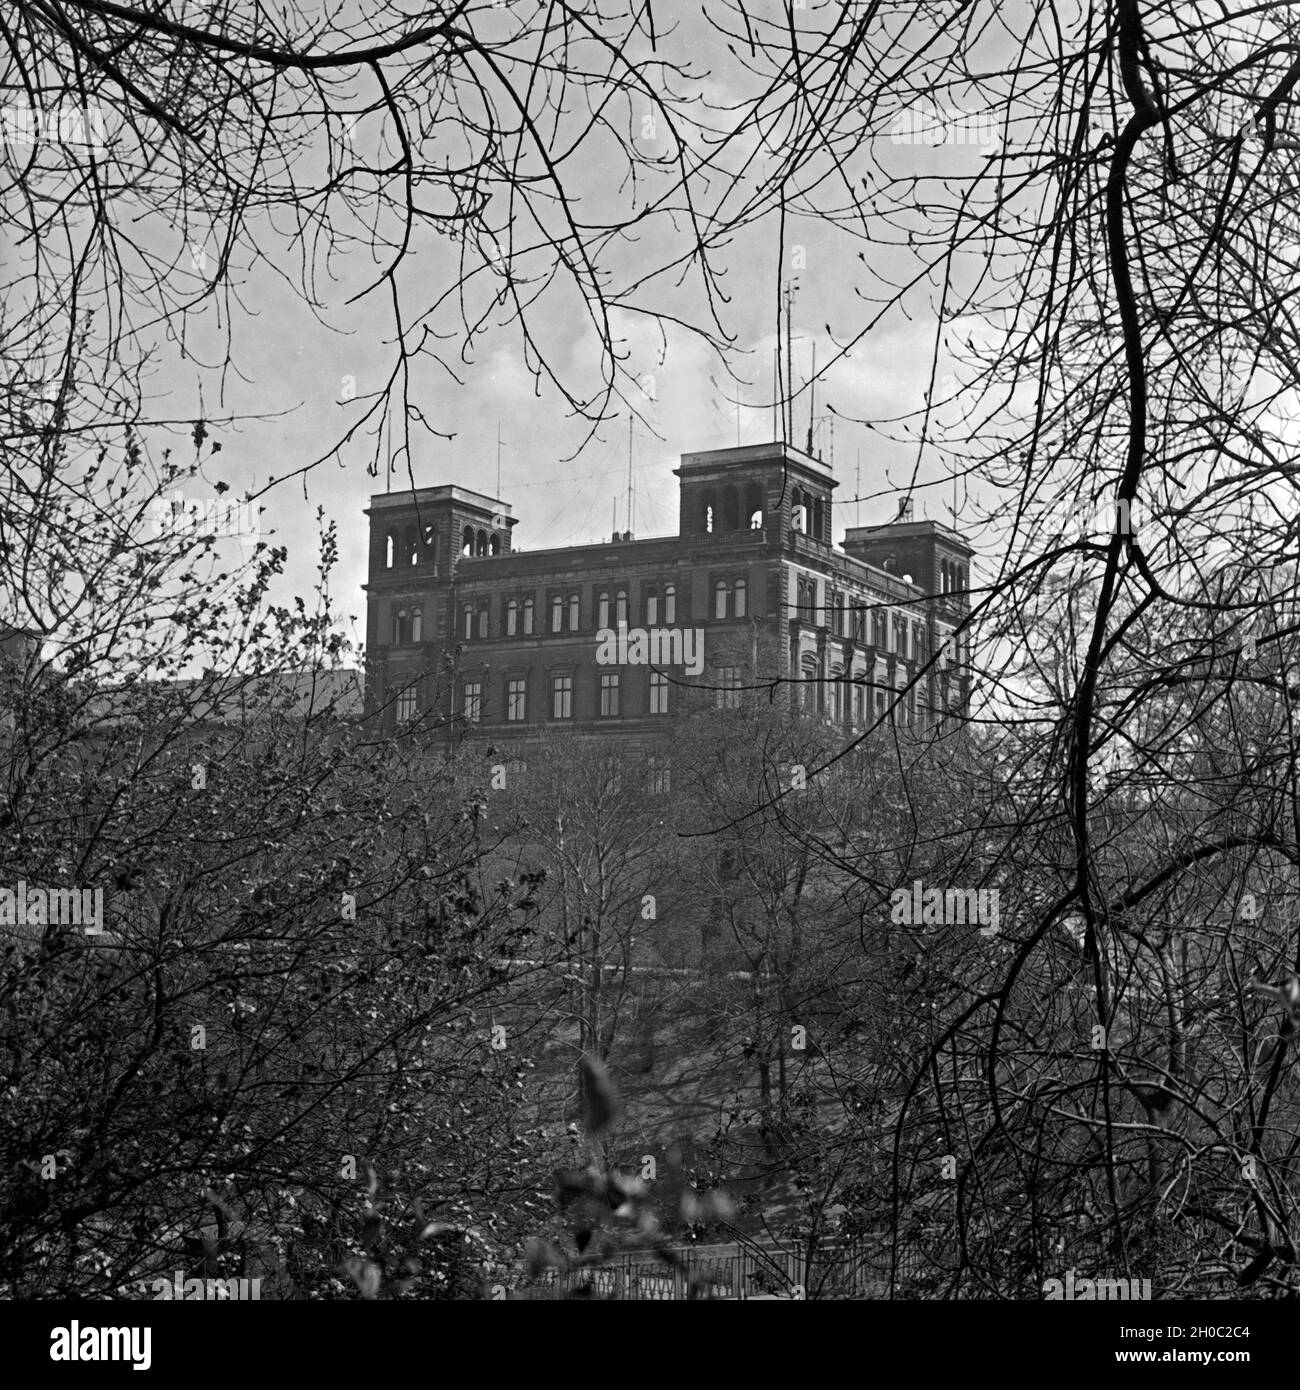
x=629, y=474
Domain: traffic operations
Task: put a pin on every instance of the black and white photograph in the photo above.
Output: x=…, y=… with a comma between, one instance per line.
x=646, y=656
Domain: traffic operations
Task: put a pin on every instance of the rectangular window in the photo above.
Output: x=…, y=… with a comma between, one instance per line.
x=609, y=685
x=467, y=622
x=561, y=697
x=406, y=707
x=516, y=699
x=658, y=693
x=483, y=621
x=659, y=781
x=473, y=701
x=727, y=694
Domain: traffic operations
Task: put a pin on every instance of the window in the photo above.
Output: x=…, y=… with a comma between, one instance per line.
x=390, y=550
x=658, y=693
x=467, y=622
x=740, y=592
x=620, y=607
x=401, y=626
x=670, y=604
x=412, y=544
x=481, y=543
x=557, y=613
x=602, y=609
x=512, y=617
x=561, y=697
x=467, y=541
x=727, y=695
x=575, y=607
x=878, y=630
x=609, y=682
x=516, y=699
x=651, y=607
x=860, y=705
x=659, y=781
x=472, y=706
x=754, y=506
x=720, y=599
x=483, y=620
x=528, y=617
x=406, y=707
x=918, y=642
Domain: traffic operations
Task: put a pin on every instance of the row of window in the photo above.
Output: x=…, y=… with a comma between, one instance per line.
x=613, y=609
x=609, y=696
x=953, y=578
x=404, y=546
x=888, y=632
x=840, y=697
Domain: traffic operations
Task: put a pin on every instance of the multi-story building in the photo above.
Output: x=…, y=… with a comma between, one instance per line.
x=610, y=637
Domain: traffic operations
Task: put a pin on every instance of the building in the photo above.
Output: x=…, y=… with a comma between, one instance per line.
x=464, y=630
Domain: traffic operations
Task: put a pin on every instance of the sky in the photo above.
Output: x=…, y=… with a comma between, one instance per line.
x=299, y=378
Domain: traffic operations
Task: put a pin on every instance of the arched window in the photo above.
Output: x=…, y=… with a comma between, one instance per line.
x=512, y=617
x=754, y=506
x=651, y=607
x=819, y=520
x=620, y=606
x=412, y=546
x=467, y=621
x=431, y=544
x=528, y=617
x=731, y=509
x=494, y=545
x=467, y=541
x=390, y=550
x=878, y=631
x=602, y=609
x=670, y=604
x=720, y=599
x=799, y=513
x=575, y=608
x=401, y=626
x=708, y=511
x=417, y=625
x=741, y=589
x=808, y=683
x=480, y=546
x=557, y=613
